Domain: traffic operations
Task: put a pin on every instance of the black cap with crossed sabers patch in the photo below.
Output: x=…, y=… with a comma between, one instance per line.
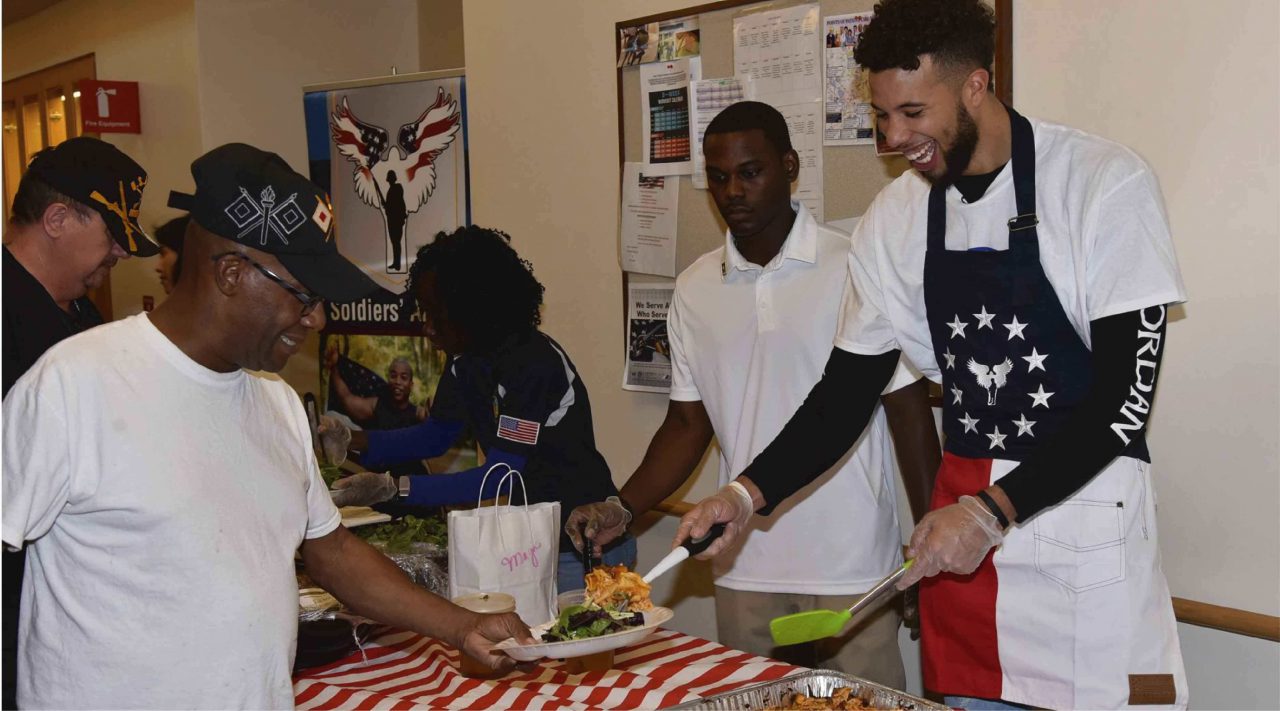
x=253, y=197
x=101, y=176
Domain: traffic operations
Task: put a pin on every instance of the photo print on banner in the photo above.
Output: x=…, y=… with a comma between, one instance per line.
x=381, y=382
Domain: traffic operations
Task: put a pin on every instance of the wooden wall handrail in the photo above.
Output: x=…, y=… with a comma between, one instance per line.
x=1192, y=612
x=674, y=508
x=1227, y=619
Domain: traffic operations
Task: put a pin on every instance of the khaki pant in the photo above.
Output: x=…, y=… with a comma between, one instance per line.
x=868, y=649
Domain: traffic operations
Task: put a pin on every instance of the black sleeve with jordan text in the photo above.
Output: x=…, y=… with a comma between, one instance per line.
x=824, y=427
x=1110, y=420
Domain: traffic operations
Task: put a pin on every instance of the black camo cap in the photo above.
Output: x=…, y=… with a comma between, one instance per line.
x=100, y=176
x=253, y=197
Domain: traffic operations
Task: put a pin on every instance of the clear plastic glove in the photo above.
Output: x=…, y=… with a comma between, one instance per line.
x=364, y=489
x=334, y=439
x=601, y=522
x=953, y=539
x=731, y=506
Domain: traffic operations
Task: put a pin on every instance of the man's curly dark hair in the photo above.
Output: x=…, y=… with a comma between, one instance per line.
x=958, y=34
x=487, y=291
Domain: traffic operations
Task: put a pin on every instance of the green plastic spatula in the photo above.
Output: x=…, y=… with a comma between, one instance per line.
x=819, y=624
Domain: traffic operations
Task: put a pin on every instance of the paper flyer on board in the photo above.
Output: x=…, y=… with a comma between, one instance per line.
x=649, y=210
x=804, y=122
x=779, y=51
x=710, y=97
x=658, y=41
x=638, y=44
x=779, y=48
x=847, y=117
x=664, y=98
x=648, y=366
x=678, y=39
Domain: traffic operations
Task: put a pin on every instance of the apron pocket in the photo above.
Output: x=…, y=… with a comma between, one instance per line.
x=1080, y=544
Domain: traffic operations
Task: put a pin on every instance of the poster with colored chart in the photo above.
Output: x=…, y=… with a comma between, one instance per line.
x=668, y=139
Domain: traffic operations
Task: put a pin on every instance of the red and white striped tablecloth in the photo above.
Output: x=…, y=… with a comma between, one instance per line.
x=403, y=670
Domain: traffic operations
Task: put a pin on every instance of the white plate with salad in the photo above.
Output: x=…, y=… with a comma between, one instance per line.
x=583, y=646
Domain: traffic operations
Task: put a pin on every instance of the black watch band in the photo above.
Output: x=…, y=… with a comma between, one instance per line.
x=996, y=511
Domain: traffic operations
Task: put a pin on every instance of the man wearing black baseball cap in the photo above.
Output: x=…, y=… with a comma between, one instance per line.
x=75, y=214
x=253, y=198
x=165, y=517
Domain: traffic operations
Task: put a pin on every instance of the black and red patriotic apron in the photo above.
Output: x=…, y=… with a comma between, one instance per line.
x=1072, y=609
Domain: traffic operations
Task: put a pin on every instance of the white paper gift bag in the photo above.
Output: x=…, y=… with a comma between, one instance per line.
x=509, y=548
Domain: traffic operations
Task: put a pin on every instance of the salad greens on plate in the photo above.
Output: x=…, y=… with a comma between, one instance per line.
x=584, y=621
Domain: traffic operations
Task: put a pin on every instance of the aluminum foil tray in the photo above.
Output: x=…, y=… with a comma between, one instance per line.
x=815, y=682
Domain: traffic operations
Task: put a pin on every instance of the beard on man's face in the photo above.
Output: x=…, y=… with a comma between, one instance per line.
x=957, y=156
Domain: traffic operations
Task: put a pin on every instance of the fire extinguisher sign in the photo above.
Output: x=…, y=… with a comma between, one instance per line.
x=109, y=106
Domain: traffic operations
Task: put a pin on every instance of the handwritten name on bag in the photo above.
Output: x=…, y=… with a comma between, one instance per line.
x=519, y=558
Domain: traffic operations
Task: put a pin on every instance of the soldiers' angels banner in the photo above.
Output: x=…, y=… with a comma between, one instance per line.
x=393, y=158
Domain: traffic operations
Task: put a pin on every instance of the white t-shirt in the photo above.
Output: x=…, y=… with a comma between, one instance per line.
x=1103, y=235
x=750, y=342
x=161, y=503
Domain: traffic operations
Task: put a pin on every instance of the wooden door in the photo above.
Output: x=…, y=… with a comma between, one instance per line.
x=42, y=109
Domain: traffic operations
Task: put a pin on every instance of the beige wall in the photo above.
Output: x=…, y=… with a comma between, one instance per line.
x=256, y=55
x=440, y=41
x=1193, y=89
x=153, y=44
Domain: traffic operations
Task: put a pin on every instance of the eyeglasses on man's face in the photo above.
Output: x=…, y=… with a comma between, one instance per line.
x=309, y=301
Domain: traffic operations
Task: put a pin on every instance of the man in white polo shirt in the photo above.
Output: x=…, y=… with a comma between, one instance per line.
x=751, y=326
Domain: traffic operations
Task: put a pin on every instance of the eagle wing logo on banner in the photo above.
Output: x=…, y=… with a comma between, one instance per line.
x=396, y=185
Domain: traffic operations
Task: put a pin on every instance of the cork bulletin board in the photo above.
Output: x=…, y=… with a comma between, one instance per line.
x=852, y=175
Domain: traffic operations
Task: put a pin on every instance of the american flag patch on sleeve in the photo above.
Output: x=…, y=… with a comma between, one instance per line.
x=518, y=430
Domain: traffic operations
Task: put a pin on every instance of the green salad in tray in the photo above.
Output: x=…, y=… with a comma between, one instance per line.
x=399, y=536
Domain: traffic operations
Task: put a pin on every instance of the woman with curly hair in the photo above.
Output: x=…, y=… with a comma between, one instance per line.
x=507, y=382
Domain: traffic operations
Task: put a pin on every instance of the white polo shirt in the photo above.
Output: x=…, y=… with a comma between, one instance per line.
x=750, y=342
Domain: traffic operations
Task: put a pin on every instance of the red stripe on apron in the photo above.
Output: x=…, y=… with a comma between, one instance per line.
x=960, y=655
